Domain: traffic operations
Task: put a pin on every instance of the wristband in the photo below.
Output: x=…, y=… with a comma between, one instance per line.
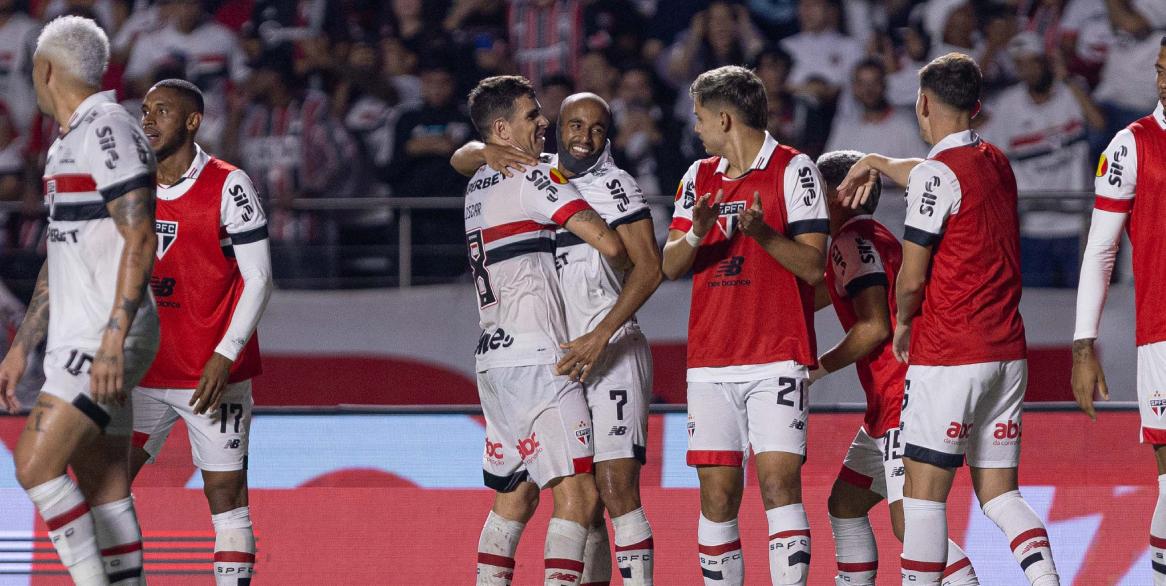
x=692, y=239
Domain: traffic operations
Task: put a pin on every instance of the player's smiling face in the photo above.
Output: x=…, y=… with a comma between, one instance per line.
x=165, y=120
x=527, y=126
x=583, y=128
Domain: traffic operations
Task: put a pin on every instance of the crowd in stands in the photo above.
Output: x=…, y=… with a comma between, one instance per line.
x=364, y=98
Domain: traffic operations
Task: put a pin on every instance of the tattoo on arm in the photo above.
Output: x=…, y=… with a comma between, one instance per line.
x=35, y=326
x=1082, y=348
x=133, y=213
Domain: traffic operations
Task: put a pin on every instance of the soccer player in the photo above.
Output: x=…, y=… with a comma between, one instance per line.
x=958, y=326
x=750, y=223
x=600, y=304
x=92, y=303
x=1129, y=182
x=863, y=261
x=212, y=279
x=538, y=428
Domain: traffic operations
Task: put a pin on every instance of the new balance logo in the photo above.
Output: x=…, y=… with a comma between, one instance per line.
x=730, y=267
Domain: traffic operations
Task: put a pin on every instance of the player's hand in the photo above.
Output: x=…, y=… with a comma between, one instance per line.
x=901, y=342
x=107, y=374
x=705, y=213
x=1088, y=377
x=503, y=158
x=11, y=369
x=751, y=220
x=582, y=354
x=856, y=186
x=212, y=383
x=816, y=375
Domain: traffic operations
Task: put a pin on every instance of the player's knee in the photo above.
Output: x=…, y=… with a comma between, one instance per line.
x=840, y=507
x=618, y=493
x=225, y=491
x=719, y=503
x=778, y=490
x=29, y=474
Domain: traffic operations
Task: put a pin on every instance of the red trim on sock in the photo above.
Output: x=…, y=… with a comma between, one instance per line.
x=564, y=564
x=140, y=439
x=858, y=566
x=123, y=548
x=916, y=566
x=491, y=559
x=583, y=465
x=234, y=557
x=850, y=476
x=715, y=458
x=719, y=549
x=1157, y=542
x=957, y=566
x=645, y=544
x=790, y=533
x=1031, y=533
x=67, y=517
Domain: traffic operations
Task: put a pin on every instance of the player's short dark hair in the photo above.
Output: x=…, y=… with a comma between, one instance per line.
x=494, y=98
x=871, y=63
x=955, y=79
x=736, y=86
x=834, y=166
x=187, y=90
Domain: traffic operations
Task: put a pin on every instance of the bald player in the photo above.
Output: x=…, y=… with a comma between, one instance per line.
x=608, y=352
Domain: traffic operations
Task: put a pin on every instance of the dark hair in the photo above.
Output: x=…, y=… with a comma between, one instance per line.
x=736, y=86
x=773, y=50
x=955, y=79
x=187, y=90
x=871, y=63
x=559, y=80
x=494, y=98
x=834, y=166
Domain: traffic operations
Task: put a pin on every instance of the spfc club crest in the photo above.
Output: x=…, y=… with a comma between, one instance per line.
x=583, y=432
x=1158, y=404
x=167, y=234
x=727, y=220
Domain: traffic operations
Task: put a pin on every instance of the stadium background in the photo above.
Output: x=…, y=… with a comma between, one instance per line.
x=366, y=452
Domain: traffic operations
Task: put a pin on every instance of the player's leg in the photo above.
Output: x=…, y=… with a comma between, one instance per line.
x=777, y=410
x=1152, y=407
x=54, y=431
x=515, y=498
x=1158, y=521
x=717, y=441
x=994, y=454
x=619, y=399
x=859, y=487
x=154, y=417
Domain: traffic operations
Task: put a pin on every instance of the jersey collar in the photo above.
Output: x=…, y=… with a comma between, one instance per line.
x=760, y=161
x=88, y=104
x=951, y=141
x=196, y=167
x=1160, y=115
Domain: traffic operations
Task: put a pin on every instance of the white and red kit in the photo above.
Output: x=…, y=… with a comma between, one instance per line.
x=211, y=279
x=537, y=422
x=1131, y=180
x=967, y=372
x=751, y=329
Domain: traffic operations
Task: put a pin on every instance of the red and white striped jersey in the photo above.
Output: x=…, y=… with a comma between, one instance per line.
x=101, y=156
x=510, y=240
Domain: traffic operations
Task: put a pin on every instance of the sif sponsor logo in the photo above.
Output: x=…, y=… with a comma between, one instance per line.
x=927, y=206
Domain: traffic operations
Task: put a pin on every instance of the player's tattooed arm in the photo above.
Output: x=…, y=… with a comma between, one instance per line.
x=1088, y=376
x=589, y=226
x=35, y=326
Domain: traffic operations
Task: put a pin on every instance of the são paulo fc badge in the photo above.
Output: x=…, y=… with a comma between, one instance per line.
x=167, y=234
x=1158, y=404
x=583, y=432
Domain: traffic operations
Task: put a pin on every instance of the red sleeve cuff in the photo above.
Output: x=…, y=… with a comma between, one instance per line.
x=682, y=224
x=569, y=209
x=1109, y=204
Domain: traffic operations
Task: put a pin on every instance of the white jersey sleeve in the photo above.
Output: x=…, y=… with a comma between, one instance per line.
x=856, y=264
x=1117, y=174
x=626, y=203
x=805, y=202
x=548, y=198
x=685, y=200
x=242, y=214
x=117, y=155
x=933, y=195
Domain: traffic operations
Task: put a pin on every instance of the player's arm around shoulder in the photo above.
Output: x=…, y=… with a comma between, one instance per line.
x=504, y=159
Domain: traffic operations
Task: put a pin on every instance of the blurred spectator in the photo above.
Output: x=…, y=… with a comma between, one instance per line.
x=556, y=88
x=794, y=120
x=147, y=17
x=400, y=66
x=17, y=41
x=1126, y=91
x=108, y=13
x=823, y=57
x=205, y=52
x=417, y=24
x=1082, y=23
x=1000, y=26
x=876, y=126
x=425, y=139
x=645, y=137
x=951, y=26
x=722, y=34
x=11, y=158
x=616, y=27
x=466, y=18
x=546, y=36
x=1041, y=124
x=597, y=75
x=903, y=65
x=776, y=18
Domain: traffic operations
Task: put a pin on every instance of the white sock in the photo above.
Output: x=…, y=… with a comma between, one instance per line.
x=924, y=541
x=789, y=544
x=959, y=570
x=71, y=529
x=719, y=545
x=496, y=549
x=234, y=547
x=597, y=557
x=1026, y=535
x=120, y=540
x=1158, y=536
x=855, y=551
x=633, y=548
x=563, y=554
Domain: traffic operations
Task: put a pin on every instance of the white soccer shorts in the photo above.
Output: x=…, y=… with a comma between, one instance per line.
x=972, y=409
x=726, y=419
x=218, y=438
x=875, y=464
x=538, y=427
x=1152, y=392
x=67, y=378
x=618, y=394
